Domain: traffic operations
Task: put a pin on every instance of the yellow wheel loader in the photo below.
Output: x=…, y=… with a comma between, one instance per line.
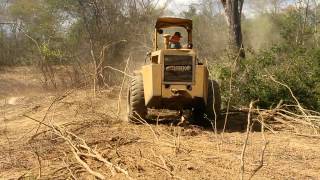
x=174, y=79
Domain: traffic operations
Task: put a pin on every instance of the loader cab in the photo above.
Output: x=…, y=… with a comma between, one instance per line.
x=165, y=26
x=177, y=64
x=162, y=53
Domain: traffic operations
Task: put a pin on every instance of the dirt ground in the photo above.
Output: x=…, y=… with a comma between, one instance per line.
x=155, y=150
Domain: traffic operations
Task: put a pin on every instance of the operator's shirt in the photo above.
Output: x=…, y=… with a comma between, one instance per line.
x=175, y=39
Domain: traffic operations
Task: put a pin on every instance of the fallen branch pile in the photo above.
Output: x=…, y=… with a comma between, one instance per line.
x=82, y=152
x=302, y=121
x=295, y=118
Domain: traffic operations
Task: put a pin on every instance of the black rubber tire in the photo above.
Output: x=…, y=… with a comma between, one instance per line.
x=213, y=107
x=137, y=109
x=197, y=115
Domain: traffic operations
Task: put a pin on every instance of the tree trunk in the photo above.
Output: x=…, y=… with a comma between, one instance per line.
x=233, y=11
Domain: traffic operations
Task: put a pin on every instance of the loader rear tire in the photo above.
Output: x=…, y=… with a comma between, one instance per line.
x=137, y=110
x=213, y=108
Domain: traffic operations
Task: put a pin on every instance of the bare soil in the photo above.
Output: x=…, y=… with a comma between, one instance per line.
x=149, y=151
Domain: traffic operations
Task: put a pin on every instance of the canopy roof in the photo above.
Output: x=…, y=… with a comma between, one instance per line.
x=165, y=22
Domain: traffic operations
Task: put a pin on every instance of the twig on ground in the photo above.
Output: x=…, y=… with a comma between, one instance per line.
x=39, y=163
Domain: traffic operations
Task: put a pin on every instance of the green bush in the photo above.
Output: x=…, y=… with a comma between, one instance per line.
x=298, y=68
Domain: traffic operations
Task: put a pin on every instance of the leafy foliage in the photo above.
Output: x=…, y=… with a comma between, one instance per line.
x=287, y=51
x=298, y=68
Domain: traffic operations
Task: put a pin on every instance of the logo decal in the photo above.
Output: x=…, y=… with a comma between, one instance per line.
x=184, y=68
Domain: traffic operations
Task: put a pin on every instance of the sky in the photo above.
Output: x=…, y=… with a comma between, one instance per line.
x=179, y=5
x=182, y=5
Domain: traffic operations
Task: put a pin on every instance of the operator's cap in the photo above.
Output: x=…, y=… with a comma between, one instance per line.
x=178, y=34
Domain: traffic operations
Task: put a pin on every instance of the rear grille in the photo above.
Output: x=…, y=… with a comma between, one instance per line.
x=178, y=68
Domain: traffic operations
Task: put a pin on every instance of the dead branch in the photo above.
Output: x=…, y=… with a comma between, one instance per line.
x=90, y=152
x=233, y=69
x=308, y=135
x=44, y=64
x=115, y=69
x=79, y=147
x=86, y=166
x=144, y=122
x=39, y=163
x=245, y=142
x=37, y=121
x=261, y=161
x=299, y=105
x=68, y=168
x=98, y=61
x=57, y=99
x=22, y=177
x=306, y=119
x=95, y=72
x=214, y=109
x=296, y=121
x=122, y=84
x=165, y=167
x=103, y=50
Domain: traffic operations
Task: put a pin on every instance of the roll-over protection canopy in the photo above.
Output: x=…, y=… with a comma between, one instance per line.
x=165, y=22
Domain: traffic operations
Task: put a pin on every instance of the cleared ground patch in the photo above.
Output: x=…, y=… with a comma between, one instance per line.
x=146, y=151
